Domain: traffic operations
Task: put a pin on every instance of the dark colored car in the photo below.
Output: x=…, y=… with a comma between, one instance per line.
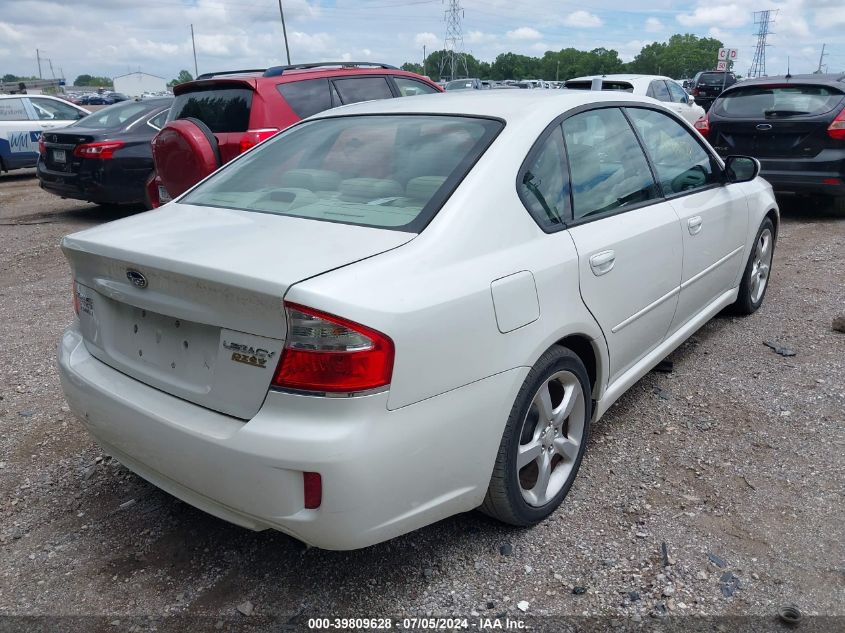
x=794, y=125
x=221, y=115
x=106, y=157
x=708, y=84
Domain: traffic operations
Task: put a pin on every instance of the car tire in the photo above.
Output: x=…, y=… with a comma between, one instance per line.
x=544, y=441
x=755, y=278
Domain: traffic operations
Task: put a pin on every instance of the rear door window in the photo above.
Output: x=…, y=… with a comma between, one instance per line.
x=50, y=110
x=778, y=101
x=357, y=89
x=307, y=97
x=221, y=109
x=13, y=110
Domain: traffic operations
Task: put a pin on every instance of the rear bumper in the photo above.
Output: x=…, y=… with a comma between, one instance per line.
x=384, y=472
x=97, y=181
x=821, y=175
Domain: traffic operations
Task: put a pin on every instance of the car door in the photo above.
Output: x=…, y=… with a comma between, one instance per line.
x=713, y=215
x=682, y=104
x=18, y=133
x=628, y=238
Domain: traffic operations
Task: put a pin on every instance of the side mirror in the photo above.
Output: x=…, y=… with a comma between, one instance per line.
x=741, y=168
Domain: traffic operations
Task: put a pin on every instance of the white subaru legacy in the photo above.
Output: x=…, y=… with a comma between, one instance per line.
x=400, y=310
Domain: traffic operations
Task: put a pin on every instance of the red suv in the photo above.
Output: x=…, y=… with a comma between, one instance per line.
x=221, y=115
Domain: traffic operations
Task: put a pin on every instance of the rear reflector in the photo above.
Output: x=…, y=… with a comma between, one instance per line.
x=102, y=149
x=75, y=298
x=325, y=353
x=836, y=130
x=251, y=138
x=313, y=488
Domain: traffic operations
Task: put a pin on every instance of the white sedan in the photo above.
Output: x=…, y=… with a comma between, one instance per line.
x=400, y=310
x=664, y=89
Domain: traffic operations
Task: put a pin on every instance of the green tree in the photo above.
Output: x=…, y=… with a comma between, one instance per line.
x=183, y=77
x=90, y=80
x=681, y=56
x=433, y=62
x=411, y=67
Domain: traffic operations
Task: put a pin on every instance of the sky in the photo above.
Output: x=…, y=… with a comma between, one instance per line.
x=113, y=37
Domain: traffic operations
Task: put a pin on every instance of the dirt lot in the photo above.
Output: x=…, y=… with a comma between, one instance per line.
x=734, y=460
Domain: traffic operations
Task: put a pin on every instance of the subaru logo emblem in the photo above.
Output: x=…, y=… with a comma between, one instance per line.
x=138, y=280
x=763, y=127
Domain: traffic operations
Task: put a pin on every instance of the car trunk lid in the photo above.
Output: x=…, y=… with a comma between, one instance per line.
x=59, y=148
x=189, y=299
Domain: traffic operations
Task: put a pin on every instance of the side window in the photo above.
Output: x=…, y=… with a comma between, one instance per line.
x=659, y=91
x=544, y=187
x=158, y=120
x=47, y=109
x=13, y=110
x=362, y=89
x=682, y=164
x=607, y=165
x=679, y=95
x=410, y=87
x=307, y=97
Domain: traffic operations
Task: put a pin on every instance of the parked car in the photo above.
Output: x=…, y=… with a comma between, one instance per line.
x=795, y=126
x=664, y=89
x=23, y=118
x=106, y=157
x=402, y=310
x=221, y=115
x=465, y=84
x=708, y=84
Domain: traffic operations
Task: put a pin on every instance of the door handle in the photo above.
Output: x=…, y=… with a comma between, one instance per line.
x=694, y=225
x=602, y=263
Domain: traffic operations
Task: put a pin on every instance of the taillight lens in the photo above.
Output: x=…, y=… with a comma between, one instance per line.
x=836, y=130
x=41, y=148
x=703, y=125
x=103, y=149
x=325, y=353
x=695, y=92
x=75, y=299
x=251, y=138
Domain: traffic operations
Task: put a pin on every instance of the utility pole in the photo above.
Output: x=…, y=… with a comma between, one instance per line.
x=194, y=44
x=284, y=31
x=821, y=59
x=454, y=56
x=38, y=57
x=425, y=74
x=763, y=19
x=557, y=71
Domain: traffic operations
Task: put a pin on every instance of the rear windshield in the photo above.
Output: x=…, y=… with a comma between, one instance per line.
x=622, y=86
x=115, y=116
x=778, y=101
x=392, y=172
x=221, y=109
x=715, y=79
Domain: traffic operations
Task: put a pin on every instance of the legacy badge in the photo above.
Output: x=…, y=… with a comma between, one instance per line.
x=255, y=356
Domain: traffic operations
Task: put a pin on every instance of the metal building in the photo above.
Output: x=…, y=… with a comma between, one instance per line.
x=136, y=84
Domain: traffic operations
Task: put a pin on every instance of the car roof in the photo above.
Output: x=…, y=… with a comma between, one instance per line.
x=543, y=105
x=620, y=77
x=836, y=80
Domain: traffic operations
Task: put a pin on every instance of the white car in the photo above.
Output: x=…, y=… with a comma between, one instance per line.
x=23, y=118
x=664, y=89
x=400, y=310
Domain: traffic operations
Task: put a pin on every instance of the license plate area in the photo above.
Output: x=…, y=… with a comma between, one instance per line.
x=58, y=155
x=163, y=196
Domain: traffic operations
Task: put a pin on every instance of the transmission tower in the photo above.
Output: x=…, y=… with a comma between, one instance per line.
x=453, y=60
x=763, y=19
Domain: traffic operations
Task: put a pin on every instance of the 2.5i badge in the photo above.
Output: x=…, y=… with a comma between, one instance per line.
x=248, y=355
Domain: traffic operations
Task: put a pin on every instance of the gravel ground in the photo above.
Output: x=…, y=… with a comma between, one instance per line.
x=734, y=460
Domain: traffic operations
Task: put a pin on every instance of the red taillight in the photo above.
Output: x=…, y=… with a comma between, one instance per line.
x=695, y=92
x=251, y=138
x=313, y=489
x=703, y=125
x=326, y=353
x=102, y=149
x=41, y=149
x=75, y=299
x=836, y=130
x=835, y=182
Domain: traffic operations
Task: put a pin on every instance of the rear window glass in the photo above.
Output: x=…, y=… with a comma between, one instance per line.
x=391, y=172
x=115, y=116
x=621, y=86
x=307, y=97
x=778, y=101
x=715, y=79
x=221, y=109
